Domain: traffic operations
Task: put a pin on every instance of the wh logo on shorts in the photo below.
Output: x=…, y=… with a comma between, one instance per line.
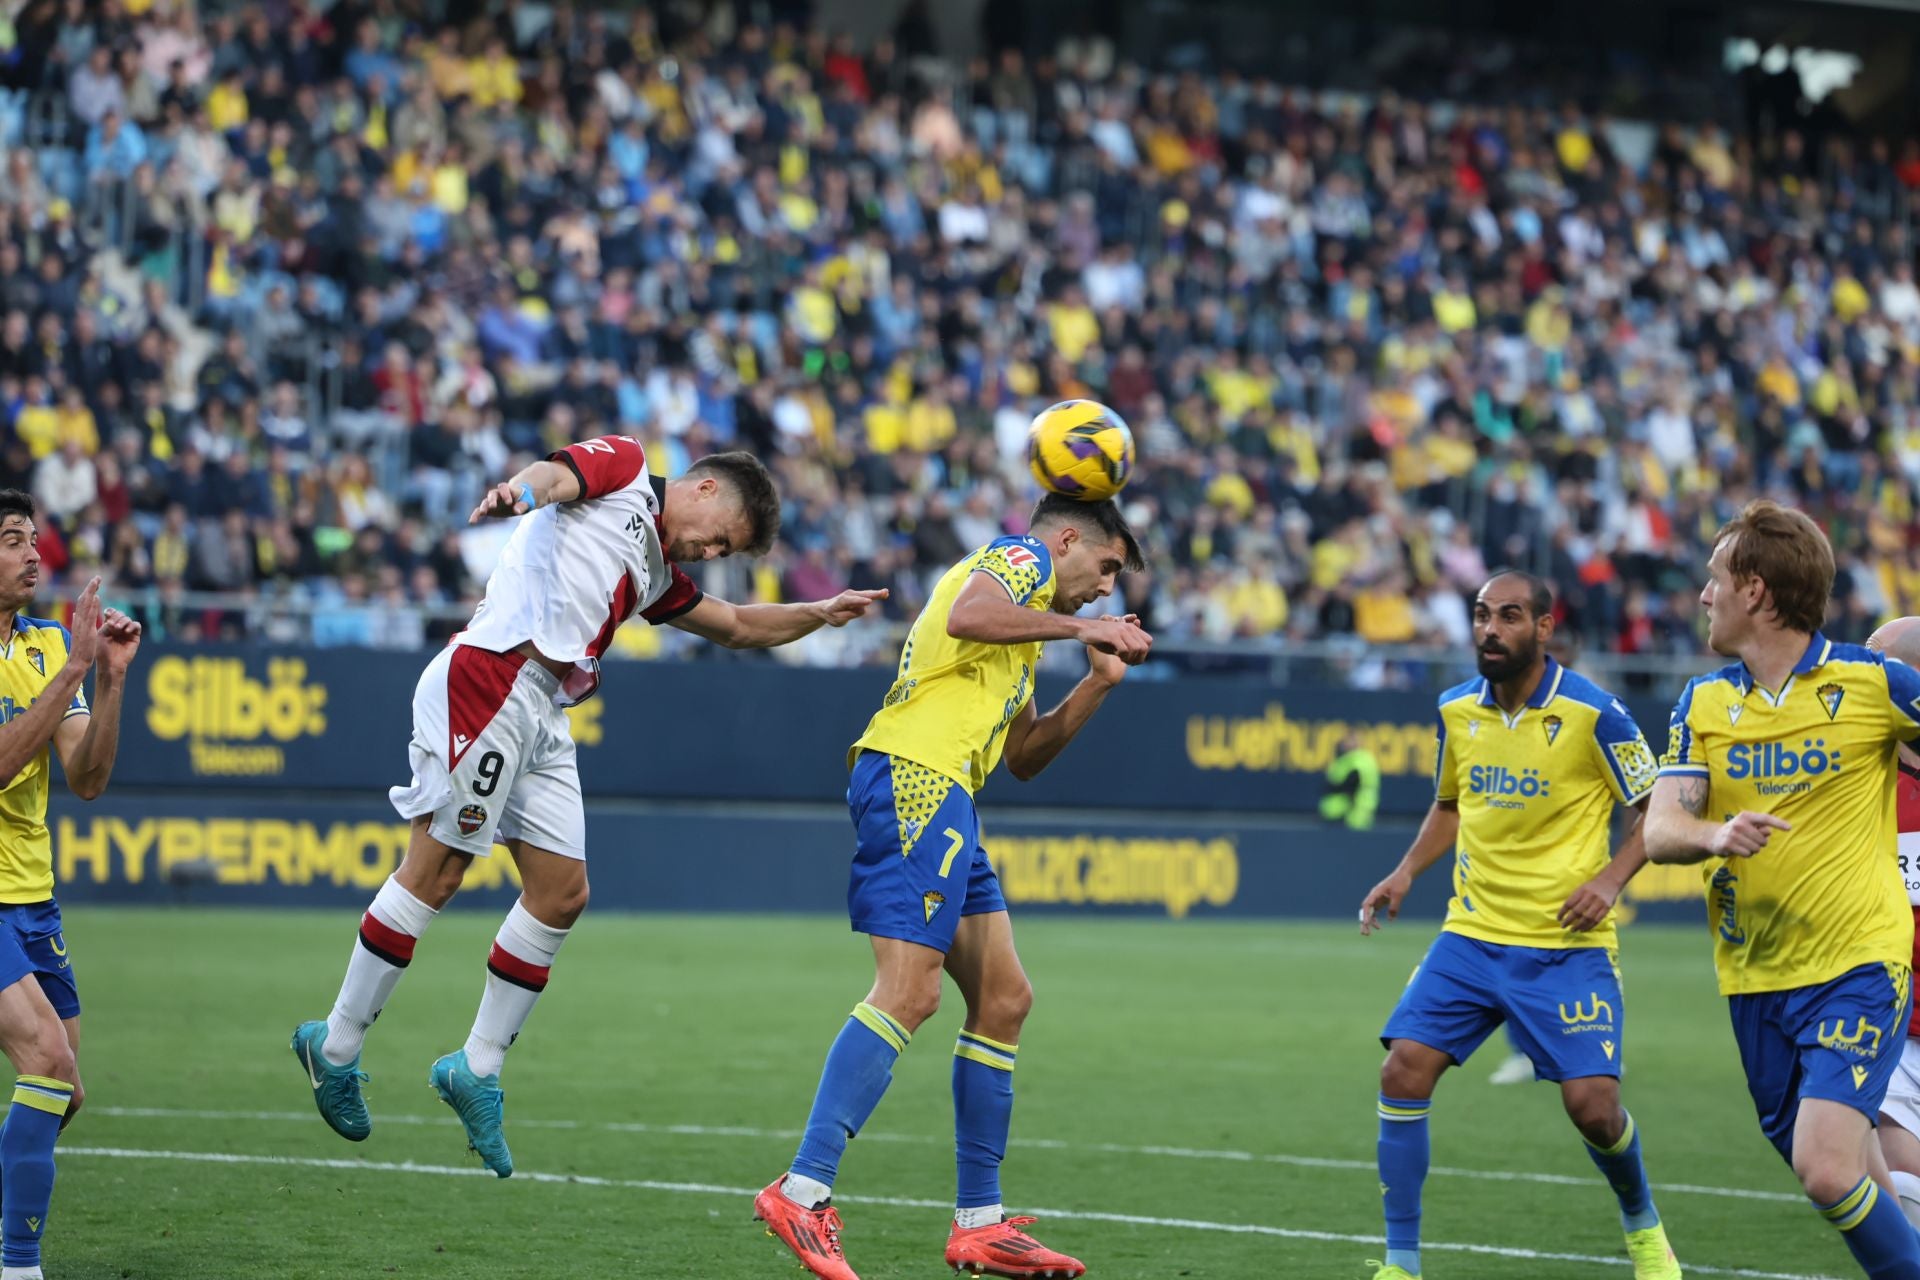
x=1862, y=1042
x=1582, y=1018
x=472, y=818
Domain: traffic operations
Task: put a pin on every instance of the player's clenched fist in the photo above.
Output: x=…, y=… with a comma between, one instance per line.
x=1122, y=637
x=1746, y=834
x=1389, y=893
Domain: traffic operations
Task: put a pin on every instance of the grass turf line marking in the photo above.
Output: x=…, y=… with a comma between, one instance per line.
x=898, y=1202
x=1045, y=1144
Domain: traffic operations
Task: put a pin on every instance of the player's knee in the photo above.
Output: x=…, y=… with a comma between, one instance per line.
x=1402, y=1076
x=1825, y=1180
x=557, y=903
x=1004, y=1010
x=1596, y=1114
x=47, y=1055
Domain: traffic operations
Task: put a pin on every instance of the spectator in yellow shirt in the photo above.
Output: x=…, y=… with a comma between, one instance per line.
x=74, y=421
x=37, y=424
x=930, y=421
x=495, y=77
x=452, y=74
x=1072, y=324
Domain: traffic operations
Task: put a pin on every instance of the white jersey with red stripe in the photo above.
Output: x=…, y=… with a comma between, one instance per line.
x=574, y=571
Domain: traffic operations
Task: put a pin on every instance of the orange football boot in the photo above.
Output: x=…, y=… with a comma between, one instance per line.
x=812, y=1234
x=1002, y=1249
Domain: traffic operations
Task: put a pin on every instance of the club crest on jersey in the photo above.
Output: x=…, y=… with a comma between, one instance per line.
x=38, y=659
x=1831, y=696
x=1552, y=725
x=932, y=902
x=472, y=818
x=1733, y=712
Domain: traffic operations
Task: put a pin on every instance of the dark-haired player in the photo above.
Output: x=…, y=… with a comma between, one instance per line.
x=1533, y=760
x=42, y=667
x=599, y=541
x=922, y=888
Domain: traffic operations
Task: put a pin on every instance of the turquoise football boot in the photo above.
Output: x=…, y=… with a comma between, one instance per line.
x=336, y=1090
x=481, y=1106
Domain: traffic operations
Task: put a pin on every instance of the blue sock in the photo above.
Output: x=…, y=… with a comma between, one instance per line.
x=982, y=1115
x=859, y=1069
x=1882, y=1241
x=1625, y=1173
x=1403, y=1154
x=26, y=1165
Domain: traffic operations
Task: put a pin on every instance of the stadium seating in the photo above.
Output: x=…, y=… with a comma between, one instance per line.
x=275, y=298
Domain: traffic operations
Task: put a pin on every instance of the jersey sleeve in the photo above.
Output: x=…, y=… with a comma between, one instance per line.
x=1630, y=764
x=78, y=707
x=1684, y=758
x=1903, y=692
x=1446, y=774
x=603, y=465
x=1022, y=565
x=681, y=596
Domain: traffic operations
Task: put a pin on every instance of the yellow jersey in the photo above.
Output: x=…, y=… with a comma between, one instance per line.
x=29, y=660
x=1826, y=896
x=952, y=700
x=1536, y=791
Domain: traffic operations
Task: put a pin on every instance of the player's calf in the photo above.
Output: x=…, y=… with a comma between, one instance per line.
x=1829, y=1142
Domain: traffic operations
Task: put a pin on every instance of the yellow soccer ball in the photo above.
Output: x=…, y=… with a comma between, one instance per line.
x=1080, y=449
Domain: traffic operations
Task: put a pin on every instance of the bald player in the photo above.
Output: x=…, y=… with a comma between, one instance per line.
x=1900, y=1110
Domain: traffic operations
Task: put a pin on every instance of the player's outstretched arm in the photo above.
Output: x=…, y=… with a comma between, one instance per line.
x=984, y=612
x=762, y=626
x=539, y=485
x=1678, y=832
x=89, y=743
x=1033, y=740
x=1436, y=836
x=22, y=737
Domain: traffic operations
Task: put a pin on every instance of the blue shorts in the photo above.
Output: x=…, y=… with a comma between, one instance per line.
x=1563, y=1006
x=918, y=865
x=1839, y=1041
x=31, y=943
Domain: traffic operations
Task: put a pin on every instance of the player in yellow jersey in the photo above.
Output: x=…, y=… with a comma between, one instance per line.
x=42, y=666
x=1779, y=779
x=1534, y=758
x=922, y=888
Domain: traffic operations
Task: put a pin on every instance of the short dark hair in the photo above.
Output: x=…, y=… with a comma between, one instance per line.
x=16, y=502
x=1785, y=549
x=1539, y=591
x=1055, y=510
x=758, y=496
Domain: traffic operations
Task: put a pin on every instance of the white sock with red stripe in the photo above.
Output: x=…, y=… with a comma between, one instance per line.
x=517, y=970
x=381, y=954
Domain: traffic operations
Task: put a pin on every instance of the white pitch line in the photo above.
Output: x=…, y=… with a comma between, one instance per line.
x=1046, y=1144
x=899, y=1202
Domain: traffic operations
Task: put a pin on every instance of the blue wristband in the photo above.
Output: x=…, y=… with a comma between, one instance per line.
x=526, y=495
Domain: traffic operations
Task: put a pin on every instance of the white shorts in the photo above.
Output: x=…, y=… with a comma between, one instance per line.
x=1902, y=1103
x=492, y=755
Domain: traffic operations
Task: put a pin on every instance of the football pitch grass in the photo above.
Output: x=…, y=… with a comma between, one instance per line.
x=1194, y=1100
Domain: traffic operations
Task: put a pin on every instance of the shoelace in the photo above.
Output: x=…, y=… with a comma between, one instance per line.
x=342, y=1089
x=490, y=1104
x=830, y=1223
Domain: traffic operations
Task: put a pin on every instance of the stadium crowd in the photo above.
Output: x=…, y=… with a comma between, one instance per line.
x=280, y=290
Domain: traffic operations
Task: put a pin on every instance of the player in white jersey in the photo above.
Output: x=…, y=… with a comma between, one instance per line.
x=1899, y=1128
x=598, y=542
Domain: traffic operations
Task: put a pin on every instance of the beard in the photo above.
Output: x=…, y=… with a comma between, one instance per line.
x=1506, y=664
